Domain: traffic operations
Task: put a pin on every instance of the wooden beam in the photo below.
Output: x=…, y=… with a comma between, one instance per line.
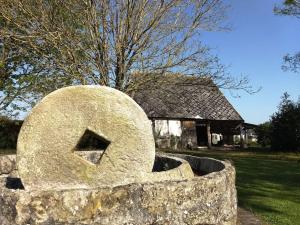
x=246, y=139
x=243, y=138
x=208, y=135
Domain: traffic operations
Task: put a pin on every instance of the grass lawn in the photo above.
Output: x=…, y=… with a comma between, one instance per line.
x=268, y=184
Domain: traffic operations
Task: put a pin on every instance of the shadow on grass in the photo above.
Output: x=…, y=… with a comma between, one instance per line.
x=272, y=178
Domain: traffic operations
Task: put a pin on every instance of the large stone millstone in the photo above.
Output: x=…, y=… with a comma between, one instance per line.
x=125, y=186
x=50, y=134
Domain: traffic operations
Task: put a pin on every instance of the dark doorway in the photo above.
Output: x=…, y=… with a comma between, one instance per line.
x=201, y=134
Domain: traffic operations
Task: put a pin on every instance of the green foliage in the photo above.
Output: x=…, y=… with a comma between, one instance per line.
x=9, y=131
x=288, y=8
x=263, y=132
x=285, y=126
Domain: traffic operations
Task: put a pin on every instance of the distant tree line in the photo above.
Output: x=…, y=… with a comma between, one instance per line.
x=282, y=132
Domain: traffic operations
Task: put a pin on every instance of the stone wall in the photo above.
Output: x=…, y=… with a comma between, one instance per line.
x=7, y=164
x=209, y=199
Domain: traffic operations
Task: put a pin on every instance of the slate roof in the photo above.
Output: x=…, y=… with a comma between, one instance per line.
x=183, y=97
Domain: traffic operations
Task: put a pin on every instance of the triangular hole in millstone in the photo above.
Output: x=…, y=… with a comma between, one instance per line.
x=91, y=146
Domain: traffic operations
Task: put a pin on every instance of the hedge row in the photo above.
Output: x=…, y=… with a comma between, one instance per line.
x=9, y=130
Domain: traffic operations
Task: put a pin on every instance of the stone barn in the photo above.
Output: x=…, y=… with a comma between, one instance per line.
x=188, y=111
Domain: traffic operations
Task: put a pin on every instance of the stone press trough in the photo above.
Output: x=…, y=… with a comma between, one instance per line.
x=55, y=183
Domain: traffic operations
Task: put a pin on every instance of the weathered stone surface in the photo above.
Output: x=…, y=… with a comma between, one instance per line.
x=8, y=200
x=49, y=135
x=92, y=156
x=7, y=164
x=175, y=168
x=209, y=199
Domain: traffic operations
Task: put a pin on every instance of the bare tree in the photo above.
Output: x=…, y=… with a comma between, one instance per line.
x=105, y=42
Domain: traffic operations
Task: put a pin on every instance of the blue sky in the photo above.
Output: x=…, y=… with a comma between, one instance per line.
x=254, y=47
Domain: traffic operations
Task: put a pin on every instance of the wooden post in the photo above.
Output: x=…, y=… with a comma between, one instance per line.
x=242, y=139
x=246, y=139
x=153, y=126
x=208, y=135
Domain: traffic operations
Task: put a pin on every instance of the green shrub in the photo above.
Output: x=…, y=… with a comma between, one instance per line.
x=263, y=132
x=285, y=126
x=9, y=131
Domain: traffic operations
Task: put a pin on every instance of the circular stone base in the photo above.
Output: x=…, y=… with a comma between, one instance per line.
x=207, y=199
